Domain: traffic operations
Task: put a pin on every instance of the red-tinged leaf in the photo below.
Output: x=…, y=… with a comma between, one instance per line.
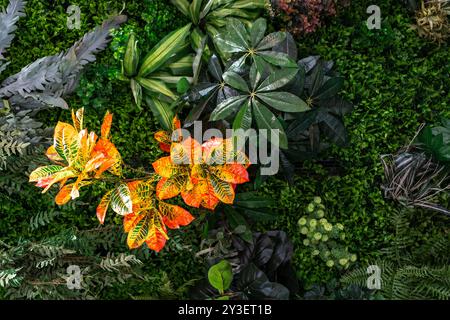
x=169, y=187
x=106, y=125
x=55, y=178
x=139, y=230
x=210, y=201
x=165, y=168
x=129, y=220
x=44, y=172
x=163, y=137
x=63, y=195
x=232, y=173
x=174, y=216
x=112, y=160
x=156, y=241
x=176, y=123
x=157, y=235
x=102, y=208
x=193, y=196
x=164, y=147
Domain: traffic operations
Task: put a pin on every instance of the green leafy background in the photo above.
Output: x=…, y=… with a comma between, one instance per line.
x=396, y=80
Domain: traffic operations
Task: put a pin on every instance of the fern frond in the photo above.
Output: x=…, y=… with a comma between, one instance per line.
x=42, y=218
x=111, y=263
x=8, y=20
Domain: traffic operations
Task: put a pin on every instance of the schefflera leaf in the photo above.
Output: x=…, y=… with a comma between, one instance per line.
x=145, y=216
x=209, y=16
x=250, y=43
x=256, y=97
x=212, y=90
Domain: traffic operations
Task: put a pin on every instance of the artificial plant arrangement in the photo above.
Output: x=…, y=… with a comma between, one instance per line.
x=41, y=84
x=82, y=158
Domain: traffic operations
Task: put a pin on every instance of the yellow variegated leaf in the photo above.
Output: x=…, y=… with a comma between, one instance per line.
x=44, y=172
x=170, y=187
x=77, y=118
x=157, y=235
x=102, y=208
x=86, y=146
x=174, y=216
x=66, y=142
x=64, y=174
x=121, y=200
x=52, y=154
x=222, y=190
x=141, y=190
x=140, y=230
x=165, y=168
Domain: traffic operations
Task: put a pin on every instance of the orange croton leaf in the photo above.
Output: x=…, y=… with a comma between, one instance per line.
x=78, y=155
x=205, y=175
x=150, y=217
x=165, y=137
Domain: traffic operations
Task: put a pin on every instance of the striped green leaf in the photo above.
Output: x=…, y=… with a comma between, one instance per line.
x=164, y=50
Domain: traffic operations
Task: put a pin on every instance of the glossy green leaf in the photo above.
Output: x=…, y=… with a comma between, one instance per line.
x=271, y=40
x=265, y=119
x=227, y=107
x=278, y=59
x=257, y=31
x=243, y=118
x=317, y=77
x=131, y=58
x=284, y=101
x=236, y=81
x=220, y=276
x=182, y=5
x=238, y=33
x=194, y=10
x=136, y=89
x=278, y=79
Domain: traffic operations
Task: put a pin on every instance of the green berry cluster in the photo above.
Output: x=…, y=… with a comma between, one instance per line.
x=322, y=237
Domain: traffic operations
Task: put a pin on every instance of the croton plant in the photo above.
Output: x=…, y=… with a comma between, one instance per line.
x=242, y=77
x=202, y=174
